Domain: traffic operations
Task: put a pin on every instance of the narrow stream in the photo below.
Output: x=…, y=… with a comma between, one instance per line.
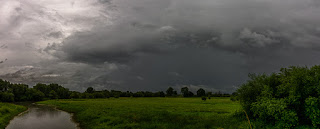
x=42, y=117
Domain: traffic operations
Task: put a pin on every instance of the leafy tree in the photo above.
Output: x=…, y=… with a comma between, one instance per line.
x=90, y=90
x=161, y=94
x=209, y=94
x=175, y=93
x=34, y=94
x=75, y=95
x=285, y=99
x=19, y=91
x=115, y=93
x=43, y=88
x=138, y=94
x=6, y=97
x=170, y=91
x=201, y=92
x=98, y=95
x=4, y=85
x=89, y=96
x=148, y=94
x=190, y=94
x=185, y=91
x=106, y=93
x=53, y=95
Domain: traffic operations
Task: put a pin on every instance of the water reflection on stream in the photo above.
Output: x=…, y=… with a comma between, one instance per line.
x=42, y=117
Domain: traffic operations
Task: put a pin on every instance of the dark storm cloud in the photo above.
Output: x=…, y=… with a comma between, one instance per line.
x=153, y=44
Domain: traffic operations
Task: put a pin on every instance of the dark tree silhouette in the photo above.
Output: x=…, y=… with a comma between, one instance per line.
x=201, y=92
x=90, y=90
x=169, y=91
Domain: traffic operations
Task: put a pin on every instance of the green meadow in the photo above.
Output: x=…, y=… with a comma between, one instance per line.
x=8, y=111
x=151, y=113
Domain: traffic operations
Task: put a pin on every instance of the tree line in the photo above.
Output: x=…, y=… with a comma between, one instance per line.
x=10, y=92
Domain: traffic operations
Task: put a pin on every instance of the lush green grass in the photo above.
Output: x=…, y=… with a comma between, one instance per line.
x=8, y=111
x=162, y=113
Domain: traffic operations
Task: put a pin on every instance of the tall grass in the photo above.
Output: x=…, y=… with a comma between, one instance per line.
x=150, y=113
x=8, y=111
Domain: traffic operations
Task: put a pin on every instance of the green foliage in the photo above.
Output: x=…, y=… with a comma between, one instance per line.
x=204, y=98
x=53, y=95
x=34, y=95
x=313, y=110
x=286, y=99
x=6, y=97
x=90, y=90
x=75, y=95
x=10, y=92
x=170, y=91
x=201, y=92
x=234, y=96
x=19, y=91
x=186, y=93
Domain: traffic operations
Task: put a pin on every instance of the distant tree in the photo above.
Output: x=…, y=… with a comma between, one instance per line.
x=4, y=85
x=114, y=93
x=185, y=91
x=209, y=93
x=175, y=93
x=6, y=97
x=89, y=96
x=170, y=91
x=148, y=94
x=201, y=92
x=106, y=93
x=19, y=91
x=90, y=90
x=74, y=95
x=162, y=94
x=34, y=94
x=83, y=96
x=63, y=93
x=190, y=94
x=53, y=95
x=159, y=94
x=98, y=94
x=43, y=88
x=138, y=94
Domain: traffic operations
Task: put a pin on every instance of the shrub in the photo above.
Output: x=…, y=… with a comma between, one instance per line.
x=204, y=98
x=6, y=97
x=285, y=99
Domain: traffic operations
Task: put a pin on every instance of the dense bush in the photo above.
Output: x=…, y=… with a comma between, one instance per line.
x=204, y=98
x=285, y=99
x=6, y=97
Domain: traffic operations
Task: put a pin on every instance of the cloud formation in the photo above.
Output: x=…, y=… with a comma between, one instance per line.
x=153, y=44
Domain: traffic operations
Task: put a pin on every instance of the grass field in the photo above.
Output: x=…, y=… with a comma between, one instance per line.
x=150, y=113
x=8, y=111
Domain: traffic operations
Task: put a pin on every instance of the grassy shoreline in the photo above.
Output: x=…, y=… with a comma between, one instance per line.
x=8, y=111
x=167, y=113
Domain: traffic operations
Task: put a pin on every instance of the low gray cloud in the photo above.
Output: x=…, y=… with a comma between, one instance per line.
x=153, y=44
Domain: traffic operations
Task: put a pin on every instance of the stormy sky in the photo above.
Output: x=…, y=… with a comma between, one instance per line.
x=153, y=44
